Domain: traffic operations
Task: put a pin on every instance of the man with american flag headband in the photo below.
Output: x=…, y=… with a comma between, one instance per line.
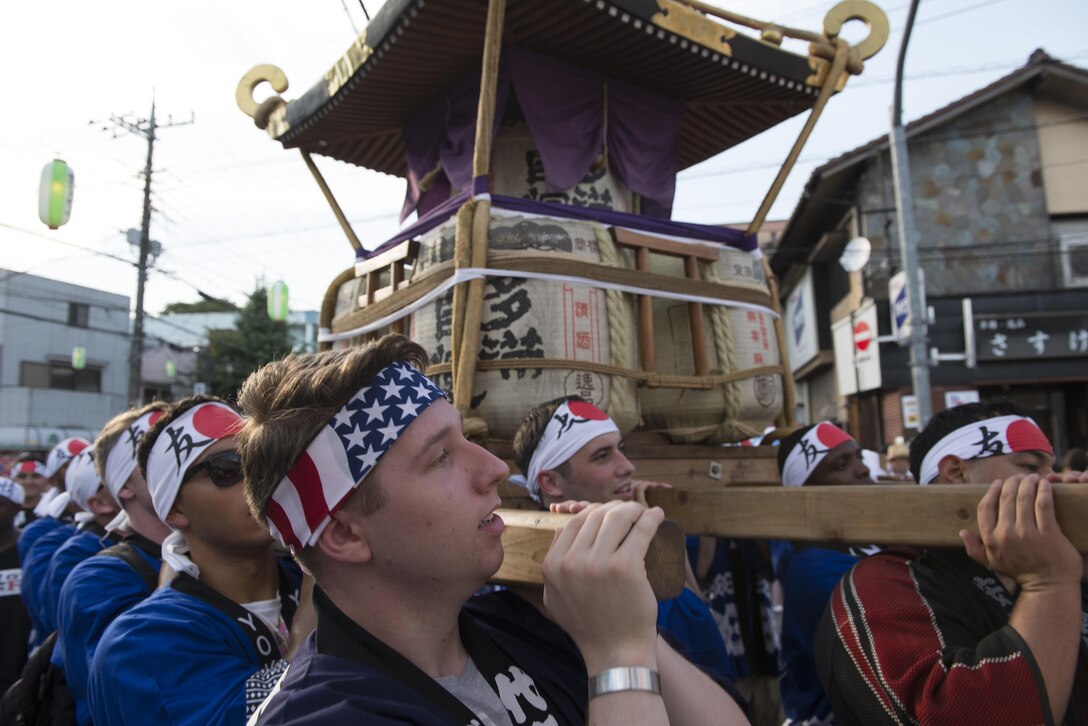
x=356, y=461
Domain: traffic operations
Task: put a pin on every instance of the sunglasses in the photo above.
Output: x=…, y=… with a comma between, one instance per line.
x=224, y=469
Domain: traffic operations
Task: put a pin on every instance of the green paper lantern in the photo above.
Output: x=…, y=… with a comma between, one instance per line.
x=277, y=301
x=171, y=369
x=79, y=357
x=55, y=193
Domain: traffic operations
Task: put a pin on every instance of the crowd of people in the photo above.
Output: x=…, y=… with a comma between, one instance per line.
x=319, y=553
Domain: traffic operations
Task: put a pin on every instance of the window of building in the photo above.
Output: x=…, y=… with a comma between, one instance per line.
x=60, y=376
x=79, y=314
x=152, y=393
x=1072, y=234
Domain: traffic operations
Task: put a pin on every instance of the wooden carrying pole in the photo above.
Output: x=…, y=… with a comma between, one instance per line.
x=344, y=223
x=788, y=419
x=468, y=307
x=528, y=537
x=885, y=514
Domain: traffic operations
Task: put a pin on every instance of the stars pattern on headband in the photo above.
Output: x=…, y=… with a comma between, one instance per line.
x=376, y=416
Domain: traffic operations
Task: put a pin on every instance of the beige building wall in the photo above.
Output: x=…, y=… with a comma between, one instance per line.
x=1063, y=148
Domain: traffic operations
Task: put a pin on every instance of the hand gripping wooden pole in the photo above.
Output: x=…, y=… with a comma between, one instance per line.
x=884, y=514
x=528, y=537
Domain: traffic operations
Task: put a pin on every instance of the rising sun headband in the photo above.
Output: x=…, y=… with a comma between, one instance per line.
x=982, y=439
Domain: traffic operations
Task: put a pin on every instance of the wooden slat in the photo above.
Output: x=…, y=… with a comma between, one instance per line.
x=638, y=240
x=405, y=250
x=695, y=315
x=528, y=537
x=646, y=347
x=883, y=514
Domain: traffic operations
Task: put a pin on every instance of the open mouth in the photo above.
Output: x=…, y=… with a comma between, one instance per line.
x=486, y=521
x=625, y=489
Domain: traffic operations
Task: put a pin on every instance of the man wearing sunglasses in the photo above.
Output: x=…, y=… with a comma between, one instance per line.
x=101, y=588
x=197, y=650
x=356, y=461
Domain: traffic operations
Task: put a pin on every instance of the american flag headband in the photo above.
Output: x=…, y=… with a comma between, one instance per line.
x=345, y=451
x=180, y=443
x=981, y=439
x=121, y=461
x=807, y=453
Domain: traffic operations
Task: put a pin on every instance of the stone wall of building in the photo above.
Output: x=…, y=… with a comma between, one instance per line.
x=979, y=203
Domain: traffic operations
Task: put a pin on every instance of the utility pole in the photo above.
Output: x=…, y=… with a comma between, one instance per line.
x=908, y=243
x=146, y=129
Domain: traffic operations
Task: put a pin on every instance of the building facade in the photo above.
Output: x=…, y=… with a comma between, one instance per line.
x=1001, y=213
x=63, y=360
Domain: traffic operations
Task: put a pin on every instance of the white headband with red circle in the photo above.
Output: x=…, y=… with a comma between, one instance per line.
x=981, y=439
x=121, y=461
x=180, y=444
x=810, y=450
x=573, y=425
x=62, y=453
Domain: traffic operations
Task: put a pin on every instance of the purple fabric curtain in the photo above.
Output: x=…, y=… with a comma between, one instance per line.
x=708, y=233
x=564, y=110
x=644, y=144
x=564, y=107
x=446, y=131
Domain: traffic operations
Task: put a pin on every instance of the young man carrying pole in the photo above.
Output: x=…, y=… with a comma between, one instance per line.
x=356, y=461
x=989, y=634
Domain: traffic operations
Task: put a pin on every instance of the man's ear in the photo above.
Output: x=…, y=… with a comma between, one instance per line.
x=550, y=483
x=102, y=502
x=345, y=539
x=177, y=519
x=952, y=470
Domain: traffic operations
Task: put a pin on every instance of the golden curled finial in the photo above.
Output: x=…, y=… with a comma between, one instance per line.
x=257, y=75
x=866, y=12
x=771, y=34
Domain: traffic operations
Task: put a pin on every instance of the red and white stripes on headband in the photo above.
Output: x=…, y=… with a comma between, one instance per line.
x=180, y=444
x=345, y=451
x=981, y=439
x=121, y=461
x=807, y=453
x=573, y=425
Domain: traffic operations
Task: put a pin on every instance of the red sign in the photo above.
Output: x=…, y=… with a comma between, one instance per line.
x=862, y=336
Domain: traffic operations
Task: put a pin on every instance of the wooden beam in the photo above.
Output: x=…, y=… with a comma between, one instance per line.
x=701, y=250
x=884, y=514
x=528, y=537
x=407, y=250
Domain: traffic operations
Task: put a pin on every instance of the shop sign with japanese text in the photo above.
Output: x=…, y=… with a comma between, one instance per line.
x=1019, y=337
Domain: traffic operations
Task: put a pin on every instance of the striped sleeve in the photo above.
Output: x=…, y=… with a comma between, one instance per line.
x=895, y=647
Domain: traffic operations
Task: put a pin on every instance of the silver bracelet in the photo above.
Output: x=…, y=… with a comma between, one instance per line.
x=628, y=678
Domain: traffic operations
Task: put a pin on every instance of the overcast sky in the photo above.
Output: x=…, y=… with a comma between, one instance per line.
x=232, y=206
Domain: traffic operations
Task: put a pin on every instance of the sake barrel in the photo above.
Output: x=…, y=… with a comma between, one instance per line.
x=517, y=171
x=535, y=319
x=736, y=340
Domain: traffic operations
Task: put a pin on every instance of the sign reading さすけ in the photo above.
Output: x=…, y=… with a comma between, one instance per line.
x=1020, y=337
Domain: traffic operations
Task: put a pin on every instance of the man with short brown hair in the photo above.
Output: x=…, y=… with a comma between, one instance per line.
x=399, y=636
